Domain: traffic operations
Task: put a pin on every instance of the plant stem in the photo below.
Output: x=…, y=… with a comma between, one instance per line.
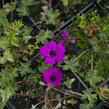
x=2, y=2
x=74, y=94
x=53, y=100
x=80, y=55
x=92, y=60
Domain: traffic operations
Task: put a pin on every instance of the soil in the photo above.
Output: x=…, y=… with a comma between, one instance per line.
x=23, y=102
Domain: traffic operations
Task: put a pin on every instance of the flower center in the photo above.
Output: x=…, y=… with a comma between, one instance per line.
x=53, y=78
x=52, y=53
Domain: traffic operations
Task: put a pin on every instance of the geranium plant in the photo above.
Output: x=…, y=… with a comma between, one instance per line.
x=44, y=71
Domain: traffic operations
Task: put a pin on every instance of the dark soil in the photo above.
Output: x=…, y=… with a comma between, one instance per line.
x=23, y=102
x=103, y=106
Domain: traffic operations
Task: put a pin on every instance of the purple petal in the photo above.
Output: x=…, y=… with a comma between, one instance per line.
x=57, y=72
x=65, y=34
x=60, y=48
x=59, y=57
x=44, y=51
x=50, y=60
x=46, y=76
x=73, y=41
x=51, y=45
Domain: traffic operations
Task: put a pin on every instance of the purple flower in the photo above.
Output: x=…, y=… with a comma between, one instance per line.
x=73, y=41
x=53, y=76
x=65, y=34
x=52, y=52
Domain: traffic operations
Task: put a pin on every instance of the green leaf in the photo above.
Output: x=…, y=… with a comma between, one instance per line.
x=7, y=77
x=69, y=83
x=89, y=99
x=7, y=56
x=93, y=78
x=72, y=101
x=16, y=26
x=26, y=34
x=22, y=10
x=24, y=68
x=65, y=2
x=4, y=96
x=50, y=16
x=33, y=107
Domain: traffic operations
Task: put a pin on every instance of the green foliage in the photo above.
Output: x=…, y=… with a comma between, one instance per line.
x=72, y=2
x=17, y=46
x=102, y=65
x=89, y=99
x=10, y=35
x=50, y=16
x=23, y=8
x=44, y=37
x=24, y=68
x=43, y=66
x=9, y=40
x=104, y=92
x=7, y=8
x=4, y=96
x=65, y=2
x=69, y=65
x=7, y=84
x=7, y=77
x=73, y=63
x=7, y=56
x=72, y=101
x=82, y=21
x=33, y=107
x=26, y=34
x=69, y=83
x=93, y=78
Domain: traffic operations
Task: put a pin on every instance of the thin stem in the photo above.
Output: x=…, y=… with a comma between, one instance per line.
x=61, y=91
x=92, y=60
x=61, y=98
x=2, y=2
x=74, y=94
x=39, y=103
x=79, y=56
x=53, y=100
x=50, y=3
x=11, y=16
x=46, y=100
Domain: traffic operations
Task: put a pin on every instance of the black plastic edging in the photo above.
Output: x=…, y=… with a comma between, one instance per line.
x=34, y=23
x=105, y=82
x=100, y=105
x=9, y=105
x=101, y=8
x=80, y=80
